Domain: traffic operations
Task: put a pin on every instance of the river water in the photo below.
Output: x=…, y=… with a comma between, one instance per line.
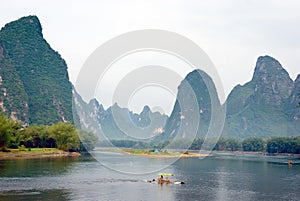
x=84, y=178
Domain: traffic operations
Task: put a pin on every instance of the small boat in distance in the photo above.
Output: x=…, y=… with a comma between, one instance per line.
x=164, y=178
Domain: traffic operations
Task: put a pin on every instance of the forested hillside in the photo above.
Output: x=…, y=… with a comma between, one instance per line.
x=34, y=82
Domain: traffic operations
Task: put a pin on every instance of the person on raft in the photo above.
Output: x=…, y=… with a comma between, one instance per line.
x=161, y=179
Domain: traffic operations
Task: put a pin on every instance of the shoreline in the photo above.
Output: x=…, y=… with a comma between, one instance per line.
x=43, y=153
x=164, y=154
x=217, y=154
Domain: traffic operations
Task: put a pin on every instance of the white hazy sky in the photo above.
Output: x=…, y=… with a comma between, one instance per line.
x=232, y=33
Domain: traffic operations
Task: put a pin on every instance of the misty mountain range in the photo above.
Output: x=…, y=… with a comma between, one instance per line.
x=35, y=89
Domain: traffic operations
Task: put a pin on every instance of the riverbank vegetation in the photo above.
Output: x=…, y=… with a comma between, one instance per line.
x=162, y=154
x=271, y=145
x=23, y=150
x=63, y=136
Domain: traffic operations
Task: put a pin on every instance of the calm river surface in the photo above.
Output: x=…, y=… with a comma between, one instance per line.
x=86, y=179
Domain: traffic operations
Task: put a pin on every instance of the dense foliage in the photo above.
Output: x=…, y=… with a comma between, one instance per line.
x=5, y=129
x=253, y=144
x=283, y=145
x=63, y=136
x=35, y=86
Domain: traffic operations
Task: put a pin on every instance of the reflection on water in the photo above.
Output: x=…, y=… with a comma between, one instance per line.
x=132, y=164
x=48, y=195
x=217, y=179
x=86, y=179
x=35, y=167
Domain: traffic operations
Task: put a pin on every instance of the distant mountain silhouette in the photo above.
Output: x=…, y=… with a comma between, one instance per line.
x=118, y=123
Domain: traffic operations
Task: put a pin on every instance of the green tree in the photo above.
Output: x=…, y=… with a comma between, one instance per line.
x=14, y=134
x=197, y=143
x=65, y=136
x=275, y=145
x=87, y=140
x=253, y=144
x=283, y=145
x=291, y=145
x=232, y=144
x=221, y=145
x=33, y=136
x=5, y=131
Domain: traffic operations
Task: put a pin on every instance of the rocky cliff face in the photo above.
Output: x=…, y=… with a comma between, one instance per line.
x=13, y=97
x=293, y=104
x=259, y=107
x=196, y=107
x=273, y=84
x=35, y=87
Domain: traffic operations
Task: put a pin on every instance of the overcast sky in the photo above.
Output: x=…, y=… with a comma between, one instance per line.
x=232, y=33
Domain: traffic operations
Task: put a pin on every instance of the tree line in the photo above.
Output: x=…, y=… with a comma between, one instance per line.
x=253, y=144
x=63, y=136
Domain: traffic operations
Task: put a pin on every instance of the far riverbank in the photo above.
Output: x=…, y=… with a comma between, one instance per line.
x=230, y=155
x=164, y=154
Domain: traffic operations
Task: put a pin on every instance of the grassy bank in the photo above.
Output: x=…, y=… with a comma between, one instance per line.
x=162, y=154
x=34, y=153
